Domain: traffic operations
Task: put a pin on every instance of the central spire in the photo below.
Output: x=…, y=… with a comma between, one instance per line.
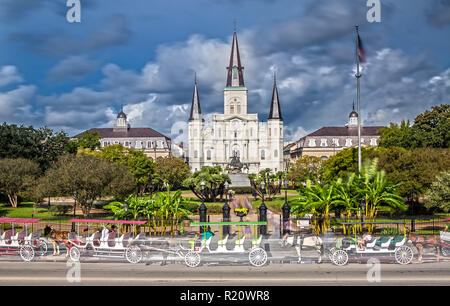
x=275, y=111
x=235, y=76
x=196, y=112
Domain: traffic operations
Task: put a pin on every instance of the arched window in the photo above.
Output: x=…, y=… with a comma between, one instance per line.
x=231, y=109
x=208, y=155
x=275, y=153
x=263, y=154
x=195, y=154
x=238, y=109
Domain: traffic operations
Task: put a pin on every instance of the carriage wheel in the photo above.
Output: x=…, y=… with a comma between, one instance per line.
x=257, y=257
x=26, y=252
x=340, y=258
x=41, y=248
x=133, y=254
x=74, y=253
x=404, y=255
x=330, y=253
x=192, y=259
x=445, y=251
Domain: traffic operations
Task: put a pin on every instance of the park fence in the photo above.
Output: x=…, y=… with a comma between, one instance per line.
x=424, y=225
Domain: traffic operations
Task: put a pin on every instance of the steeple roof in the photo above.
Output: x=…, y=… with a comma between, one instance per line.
x=196, y=111
x=275, y=111
x=235, y=76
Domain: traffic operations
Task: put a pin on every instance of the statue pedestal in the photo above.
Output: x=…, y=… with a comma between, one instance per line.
x=239, y=180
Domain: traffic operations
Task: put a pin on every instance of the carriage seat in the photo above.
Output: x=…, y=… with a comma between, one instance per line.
x=126, y=239
x=371, y=244
x=223, y=242
x=398, y=241
x=240, y=241
x=384, y=242
x=445, y=236
x=8, y=236
x=112, y=239
x=192, y=241
x=206, y=242
x=20, y=237
x=256, y=241
x=75, y=239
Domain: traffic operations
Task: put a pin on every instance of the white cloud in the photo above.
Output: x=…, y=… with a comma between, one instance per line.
x=9, y=75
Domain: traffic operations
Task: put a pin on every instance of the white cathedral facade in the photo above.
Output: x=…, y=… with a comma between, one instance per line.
x=236, y=133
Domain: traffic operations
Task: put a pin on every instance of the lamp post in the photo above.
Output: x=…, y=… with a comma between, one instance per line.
x=202, y=209
x=125, y=208
x=75, y=193
x=286, y=210
x=262, y=211
x=226, y=211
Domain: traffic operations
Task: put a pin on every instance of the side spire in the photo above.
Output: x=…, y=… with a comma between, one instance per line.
x=275, y=110
x=196, y=111
x=235, y=77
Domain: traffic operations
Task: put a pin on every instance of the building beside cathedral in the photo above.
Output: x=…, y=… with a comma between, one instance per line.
x=329, y=140
x=153, y=143
x=236, y=134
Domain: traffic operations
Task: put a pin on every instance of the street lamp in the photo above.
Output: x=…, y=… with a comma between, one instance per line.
x=286, y=209
x=226, y=211
x=262, y=211
x=202, y=209
x=75, y=193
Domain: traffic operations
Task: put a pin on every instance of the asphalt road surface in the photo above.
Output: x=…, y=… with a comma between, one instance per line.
x=119, y=273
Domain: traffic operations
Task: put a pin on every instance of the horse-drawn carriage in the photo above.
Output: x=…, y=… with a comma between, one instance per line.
x=22, y=243
x=396, y=245
x=201, y=246
x=106, y=243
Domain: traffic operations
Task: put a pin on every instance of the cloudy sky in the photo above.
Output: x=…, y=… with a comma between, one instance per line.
x=142, y=54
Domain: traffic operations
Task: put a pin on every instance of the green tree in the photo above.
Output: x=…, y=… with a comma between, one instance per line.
x=172, y=170
x=137, y=163
x=86, y=140
x=430, y=129
x=88, y=178
x=272, y=183
x=378, y=191
x=305, y=168
x=42, y=146
x=214, y=181
x=17, y=175
x=437, y=198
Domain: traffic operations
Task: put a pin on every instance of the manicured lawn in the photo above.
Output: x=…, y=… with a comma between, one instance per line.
x=276, y=203
x=25, y=210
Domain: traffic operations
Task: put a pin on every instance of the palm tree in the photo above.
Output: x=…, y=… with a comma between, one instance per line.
x=378, y=191
x=317, y=200
x=346, y=196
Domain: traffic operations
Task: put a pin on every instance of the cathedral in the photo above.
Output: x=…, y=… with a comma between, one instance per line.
x=236, y=140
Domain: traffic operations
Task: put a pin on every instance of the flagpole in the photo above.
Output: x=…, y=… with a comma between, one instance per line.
x=358, y=76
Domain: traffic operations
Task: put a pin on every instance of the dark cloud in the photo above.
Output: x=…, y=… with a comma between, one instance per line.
x=439, y=13
x=60, y=43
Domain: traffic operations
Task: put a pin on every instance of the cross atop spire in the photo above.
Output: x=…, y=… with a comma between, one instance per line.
x=275, y=111
x=235, y=77
x=196, y=112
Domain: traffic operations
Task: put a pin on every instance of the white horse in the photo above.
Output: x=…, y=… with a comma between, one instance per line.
x=299, y=243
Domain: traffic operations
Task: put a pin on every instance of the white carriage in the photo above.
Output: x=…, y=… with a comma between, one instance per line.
x=107, y=244
x=26, y=245
x=384, y=245
x=445, y=243
x=201, y=245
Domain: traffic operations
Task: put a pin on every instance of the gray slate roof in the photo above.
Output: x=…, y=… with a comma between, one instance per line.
x=132, y=132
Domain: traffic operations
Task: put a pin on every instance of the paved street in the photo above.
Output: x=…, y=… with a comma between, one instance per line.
x=115, y=273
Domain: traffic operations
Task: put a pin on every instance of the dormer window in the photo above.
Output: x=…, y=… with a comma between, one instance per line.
x=312, y=142
x=373, y=141
x=323, y=142
x=348, y=142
